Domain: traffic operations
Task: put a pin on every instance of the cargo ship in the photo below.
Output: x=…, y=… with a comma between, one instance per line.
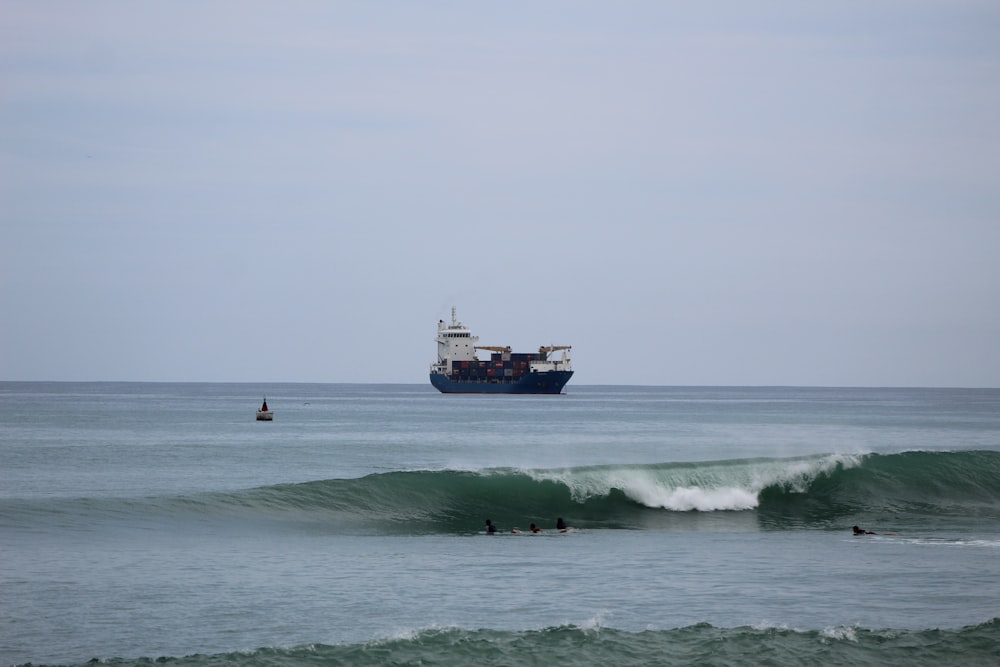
x=459, y=370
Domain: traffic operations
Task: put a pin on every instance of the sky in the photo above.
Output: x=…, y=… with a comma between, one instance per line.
x=765, y=193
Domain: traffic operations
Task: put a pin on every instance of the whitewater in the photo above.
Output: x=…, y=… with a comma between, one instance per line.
x=148, y=521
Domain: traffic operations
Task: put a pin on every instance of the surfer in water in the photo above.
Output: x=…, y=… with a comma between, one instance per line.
x=862, y=531
x=561, y=525
x=490, y=528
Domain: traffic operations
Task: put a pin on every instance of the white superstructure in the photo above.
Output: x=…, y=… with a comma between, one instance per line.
x=454, y=343
x=545, y=364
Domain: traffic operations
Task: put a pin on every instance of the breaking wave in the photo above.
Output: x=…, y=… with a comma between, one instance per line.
x=816, y=491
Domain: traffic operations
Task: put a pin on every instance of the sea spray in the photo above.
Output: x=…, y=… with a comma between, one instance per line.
x=710, y=486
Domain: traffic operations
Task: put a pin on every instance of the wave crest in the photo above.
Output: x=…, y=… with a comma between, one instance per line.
x=705, y=487
x=816, y=491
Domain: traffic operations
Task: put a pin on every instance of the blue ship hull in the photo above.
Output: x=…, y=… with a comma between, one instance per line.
x=550, y=382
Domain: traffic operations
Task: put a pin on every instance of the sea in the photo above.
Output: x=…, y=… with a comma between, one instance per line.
x=162, y=524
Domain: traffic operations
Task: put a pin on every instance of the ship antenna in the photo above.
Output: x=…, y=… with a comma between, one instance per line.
x=454, y=318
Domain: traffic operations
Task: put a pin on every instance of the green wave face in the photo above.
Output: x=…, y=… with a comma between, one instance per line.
x=819, y=491
x=927, y=489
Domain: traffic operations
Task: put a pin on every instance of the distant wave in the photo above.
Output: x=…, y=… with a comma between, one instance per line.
x=576, y=646
x=816, y=490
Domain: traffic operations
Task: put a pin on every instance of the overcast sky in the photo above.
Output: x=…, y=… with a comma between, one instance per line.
x=742, y=193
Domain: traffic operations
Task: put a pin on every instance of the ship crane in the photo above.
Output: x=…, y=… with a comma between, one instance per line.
x=544, y=350
x=493, y=348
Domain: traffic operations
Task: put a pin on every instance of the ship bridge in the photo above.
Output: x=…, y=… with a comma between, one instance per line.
x=454, y=343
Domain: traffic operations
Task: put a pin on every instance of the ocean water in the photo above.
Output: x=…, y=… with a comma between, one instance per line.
x=144, y=523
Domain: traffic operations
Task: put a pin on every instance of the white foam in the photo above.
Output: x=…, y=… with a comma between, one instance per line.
x=594, y=623
x=951, y=542
x=703, y=487
x=686, y=499
x=412, y=634
x=765, y=626
x=840, y=633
